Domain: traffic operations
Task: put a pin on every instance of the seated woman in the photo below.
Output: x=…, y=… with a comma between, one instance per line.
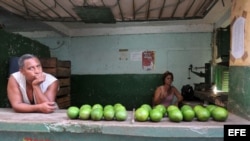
x=166, y=93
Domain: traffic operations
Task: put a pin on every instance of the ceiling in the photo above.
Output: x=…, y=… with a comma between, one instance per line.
x=68, y=16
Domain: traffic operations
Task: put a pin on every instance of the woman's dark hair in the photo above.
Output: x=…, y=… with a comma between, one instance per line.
x=167, y=73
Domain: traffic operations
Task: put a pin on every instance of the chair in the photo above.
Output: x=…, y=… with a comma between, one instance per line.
x=13, y=65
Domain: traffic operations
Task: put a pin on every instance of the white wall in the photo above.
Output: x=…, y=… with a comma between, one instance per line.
x=100, y=54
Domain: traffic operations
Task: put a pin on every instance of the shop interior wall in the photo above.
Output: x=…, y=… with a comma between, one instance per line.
x=99, y=76
x=238, y=99
x=14, y=45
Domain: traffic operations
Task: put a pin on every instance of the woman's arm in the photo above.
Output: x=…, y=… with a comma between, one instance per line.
x=15, y=98
x=178, y=96
x=17, y=103
x=158, y=97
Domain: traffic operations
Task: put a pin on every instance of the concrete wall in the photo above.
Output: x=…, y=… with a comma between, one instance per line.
x=100, y=54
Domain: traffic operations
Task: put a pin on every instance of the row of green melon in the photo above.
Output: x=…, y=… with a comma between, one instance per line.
x=185, y=113
x=98, y=112
x=198, y=112
x=146, y=113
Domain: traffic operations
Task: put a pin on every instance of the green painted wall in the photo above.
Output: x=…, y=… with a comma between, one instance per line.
x=131, y=90
x=32, y=136
x=239, y=93
x=15, y=45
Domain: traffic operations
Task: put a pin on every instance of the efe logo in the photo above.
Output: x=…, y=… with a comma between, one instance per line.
x=236, y=131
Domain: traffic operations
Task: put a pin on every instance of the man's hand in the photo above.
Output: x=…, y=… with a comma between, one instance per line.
x=48, y=107
x=39, y=78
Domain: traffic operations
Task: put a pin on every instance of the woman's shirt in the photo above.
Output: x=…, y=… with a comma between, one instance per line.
x=169, y=99
x=20, y=79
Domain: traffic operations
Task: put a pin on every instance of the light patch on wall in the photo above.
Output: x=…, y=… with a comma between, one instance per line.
x=238, y=38
x=136, y=56
x=123, y=54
